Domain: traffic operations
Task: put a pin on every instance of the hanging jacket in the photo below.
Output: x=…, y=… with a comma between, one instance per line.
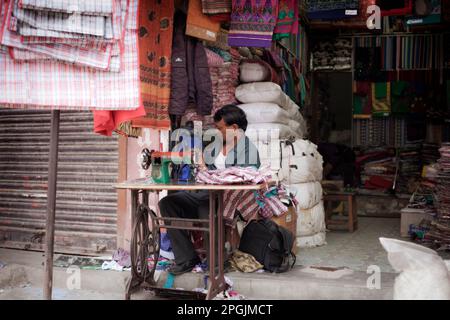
x=191, y=81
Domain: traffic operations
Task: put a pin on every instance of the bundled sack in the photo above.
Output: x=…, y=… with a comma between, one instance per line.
x=281, y=131
x=270, y=244
x=267, y=92
x=423, y=274
x=317, y=240
x=265, y=112
x=301, y=162
x=307, y=194
x=255, y=70
x=311, y=221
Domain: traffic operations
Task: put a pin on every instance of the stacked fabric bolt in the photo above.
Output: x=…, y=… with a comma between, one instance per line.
x=69, y=56
x=443, y=186
x=86, y=33
x=333, y=55
x=409, y=169
x=301, y=171
x=377, y=168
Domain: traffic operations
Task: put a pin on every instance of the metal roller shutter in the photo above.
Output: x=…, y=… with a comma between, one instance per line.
x=86, y=205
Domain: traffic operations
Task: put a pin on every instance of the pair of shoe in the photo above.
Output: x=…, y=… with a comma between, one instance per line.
x=178, y=269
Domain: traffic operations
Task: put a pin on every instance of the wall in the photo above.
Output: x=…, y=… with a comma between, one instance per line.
x=131, y=169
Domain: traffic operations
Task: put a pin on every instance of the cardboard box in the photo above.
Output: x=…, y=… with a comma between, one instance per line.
x=409, y=217
x=287, y=220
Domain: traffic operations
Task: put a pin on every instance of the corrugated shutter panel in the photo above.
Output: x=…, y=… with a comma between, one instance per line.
x=86, y=205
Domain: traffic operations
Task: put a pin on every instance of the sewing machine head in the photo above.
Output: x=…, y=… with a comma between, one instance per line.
x=168, y=166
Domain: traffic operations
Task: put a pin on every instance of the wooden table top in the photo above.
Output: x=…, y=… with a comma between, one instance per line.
x=148, y=184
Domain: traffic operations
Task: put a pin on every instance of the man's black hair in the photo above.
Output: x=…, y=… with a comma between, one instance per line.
x=232, y=114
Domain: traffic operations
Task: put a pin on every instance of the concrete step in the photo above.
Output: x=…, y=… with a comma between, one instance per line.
x=301, y=283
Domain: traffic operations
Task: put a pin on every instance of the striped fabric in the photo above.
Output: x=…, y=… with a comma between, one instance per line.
x=248, y=203
x=92, y=7
x=84, y=24
x=55, y=85
x=234, y=175
x=25, y=55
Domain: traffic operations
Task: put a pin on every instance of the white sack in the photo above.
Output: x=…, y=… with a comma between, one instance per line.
x=267, y=92
x=319, y=239
x=280, y=131
x=311, y=221
x=307, y=194
x=301, y=162
x=265, y=112
x=423, y=274
x=253, y=72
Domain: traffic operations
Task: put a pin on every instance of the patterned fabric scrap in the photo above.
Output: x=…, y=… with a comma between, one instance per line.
x=213, y=7
x=252, y=23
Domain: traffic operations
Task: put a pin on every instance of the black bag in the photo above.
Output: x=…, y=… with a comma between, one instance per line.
x=269, y=243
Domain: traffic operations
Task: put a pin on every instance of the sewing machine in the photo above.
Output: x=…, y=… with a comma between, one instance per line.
x=168, y=166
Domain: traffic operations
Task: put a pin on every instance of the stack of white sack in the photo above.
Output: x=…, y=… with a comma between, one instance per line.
x=301, y=170
x=268, y=108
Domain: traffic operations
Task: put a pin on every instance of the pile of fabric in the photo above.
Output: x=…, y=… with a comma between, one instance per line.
x=266, y=202
x=442, y=192
x=302, y=170
x=333, y=55
x=376, y=168
x=409, y=170
x=78, y=56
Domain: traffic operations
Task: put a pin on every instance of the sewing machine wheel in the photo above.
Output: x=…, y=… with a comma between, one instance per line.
x=146, y=158
x=144, y=243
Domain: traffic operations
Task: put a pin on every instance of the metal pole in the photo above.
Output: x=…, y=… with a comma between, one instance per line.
x=51, y=203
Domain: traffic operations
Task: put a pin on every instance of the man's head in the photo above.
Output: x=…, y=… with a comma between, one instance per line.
x=230, y=117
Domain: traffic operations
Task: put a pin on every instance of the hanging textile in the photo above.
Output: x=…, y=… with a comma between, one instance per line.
x=51, y=84
x=287, y=22
x=252, y=23
x=200, y=25
x=381, y=98
x=191, y=80
x=155, y=51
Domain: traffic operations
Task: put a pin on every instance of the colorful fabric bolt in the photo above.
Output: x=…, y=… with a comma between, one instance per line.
x=214, y=7
x=252, y=23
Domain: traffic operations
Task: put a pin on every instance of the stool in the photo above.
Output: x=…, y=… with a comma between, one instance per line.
x=352, y=217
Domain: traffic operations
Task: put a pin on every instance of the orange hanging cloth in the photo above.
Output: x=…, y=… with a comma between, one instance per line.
x=155, y=50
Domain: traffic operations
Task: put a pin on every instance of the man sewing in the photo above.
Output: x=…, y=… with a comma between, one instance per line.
x=236, y=150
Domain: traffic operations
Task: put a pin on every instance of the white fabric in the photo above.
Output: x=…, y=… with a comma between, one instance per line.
x=319, y=239
x=298, y=127
x=307, y=194
x=311, y=221
x=423, y=274
x=219, y=162
x=267, y=92
x=302, y=163
x=278, y=130
x=253, y=72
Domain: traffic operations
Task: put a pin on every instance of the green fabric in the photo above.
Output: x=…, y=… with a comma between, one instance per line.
x=380, y=90
x=358, y=105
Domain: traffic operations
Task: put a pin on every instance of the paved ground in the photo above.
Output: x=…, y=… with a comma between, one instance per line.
x=356, y=250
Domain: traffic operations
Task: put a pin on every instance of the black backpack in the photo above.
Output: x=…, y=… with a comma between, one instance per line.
x=269, y=243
